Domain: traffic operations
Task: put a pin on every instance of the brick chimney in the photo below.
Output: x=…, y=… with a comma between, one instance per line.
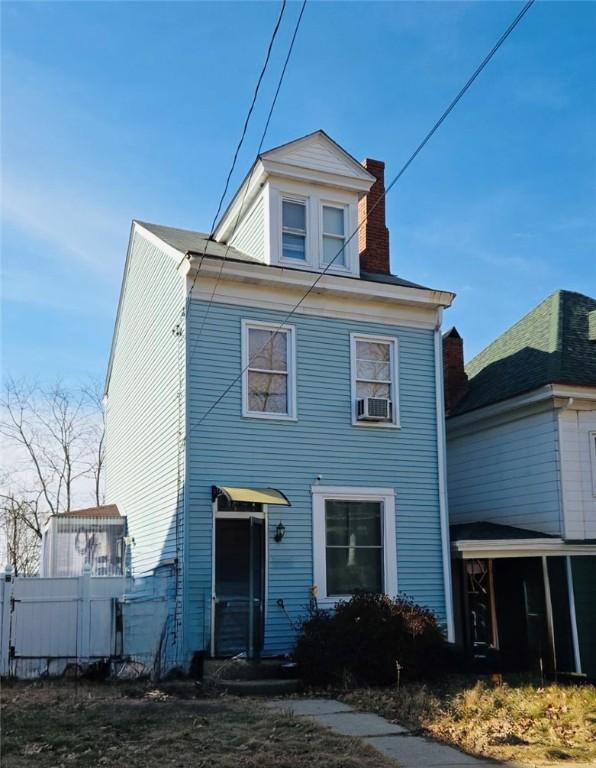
x=373, y=236
x=455, y=378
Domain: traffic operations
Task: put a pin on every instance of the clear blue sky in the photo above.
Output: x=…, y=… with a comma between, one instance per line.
x=118, y=110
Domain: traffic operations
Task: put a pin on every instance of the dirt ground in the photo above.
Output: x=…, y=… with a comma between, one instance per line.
x=121, y=725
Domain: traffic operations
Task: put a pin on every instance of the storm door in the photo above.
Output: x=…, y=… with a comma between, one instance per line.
x=239, y=593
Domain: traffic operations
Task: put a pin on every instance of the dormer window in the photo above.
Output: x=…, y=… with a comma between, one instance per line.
x=334, y=228
x=294, y=229
x=298, y=207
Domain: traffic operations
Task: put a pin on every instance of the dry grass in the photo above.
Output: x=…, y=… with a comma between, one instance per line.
x=136, y=726
x=513, y=722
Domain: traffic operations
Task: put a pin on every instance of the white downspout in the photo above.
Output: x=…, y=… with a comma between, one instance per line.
x=442, y=470
x=559, y=412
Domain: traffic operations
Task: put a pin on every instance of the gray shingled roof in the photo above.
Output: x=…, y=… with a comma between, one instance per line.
x=550, y=345
x=188, y=241
x=482, y=531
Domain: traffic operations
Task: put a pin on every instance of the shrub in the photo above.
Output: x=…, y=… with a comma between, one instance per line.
x=360, y=642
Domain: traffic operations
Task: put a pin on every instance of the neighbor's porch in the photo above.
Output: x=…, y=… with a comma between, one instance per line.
x=515, y=601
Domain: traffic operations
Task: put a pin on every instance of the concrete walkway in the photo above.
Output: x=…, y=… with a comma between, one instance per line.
x=394, y=741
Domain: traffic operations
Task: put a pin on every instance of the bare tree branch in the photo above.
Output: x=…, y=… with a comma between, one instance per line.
x=56, y=440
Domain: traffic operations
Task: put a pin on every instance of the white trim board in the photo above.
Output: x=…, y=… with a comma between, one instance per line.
x=442, y=477
x=281, y=277
x=583, y=398
x=502, y=548
x=331, y=297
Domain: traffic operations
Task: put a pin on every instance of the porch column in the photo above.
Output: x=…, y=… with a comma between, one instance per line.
x=549, y=611
x=572, y=616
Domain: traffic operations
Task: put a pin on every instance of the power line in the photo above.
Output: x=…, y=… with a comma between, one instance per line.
x=250, y=111
x=247, y=186
x=242, y=136
x=177, y=329
x=395, y=179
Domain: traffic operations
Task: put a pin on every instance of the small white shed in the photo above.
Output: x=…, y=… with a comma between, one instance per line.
x=93, y=538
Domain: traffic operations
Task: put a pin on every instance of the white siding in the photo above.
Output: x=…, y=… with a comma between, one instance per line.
x=579, y=499
x=143, y=406
x=315, y=152
x=250, y=235
x=507, y=474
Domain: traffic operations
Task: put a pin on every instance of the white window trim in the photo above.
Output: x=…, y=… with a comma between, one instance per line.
x=294, y=198
x=346, y=267
x=276, y=191
x=386, y=496
x=291, y=333
x=395, y=417
x=592, y=436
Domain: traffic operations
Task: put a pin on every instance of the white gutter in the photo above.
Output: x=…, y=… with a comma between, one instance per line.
x=471, y=549
x=442, y=469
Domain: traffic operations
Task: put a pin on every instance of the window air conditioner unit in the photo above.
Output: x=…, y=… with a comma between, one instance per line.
x=373, y=409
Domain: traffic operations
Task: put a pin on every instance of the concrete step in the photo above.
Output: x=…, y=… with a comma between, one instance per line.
x=263, y=687
x=242, y=669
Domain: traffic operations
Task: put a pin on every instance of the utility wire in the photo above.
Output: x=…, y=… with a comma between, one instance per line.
x=177, y=329
x=250, y=111
x=242, y=136
x=394, y=181
x=247, y=186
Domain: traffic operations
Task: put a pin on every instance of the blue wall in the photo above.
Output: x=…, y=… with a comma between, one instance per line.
x=230, y=450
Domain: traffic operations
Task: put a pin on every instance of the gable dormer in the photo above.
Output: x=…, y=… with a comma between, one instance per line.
x=298, y=206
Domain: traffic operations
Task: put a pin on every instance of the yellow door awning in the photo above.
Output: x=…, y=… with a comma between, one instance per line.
x=252, y=495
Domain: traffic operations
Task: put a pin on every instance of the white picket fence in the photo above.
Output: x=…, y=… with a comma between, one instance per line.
x=48, y=623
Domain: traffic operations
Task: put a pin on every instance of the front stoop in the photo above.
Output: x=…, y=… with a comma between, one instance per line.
x=259, y=687
x=249, y=678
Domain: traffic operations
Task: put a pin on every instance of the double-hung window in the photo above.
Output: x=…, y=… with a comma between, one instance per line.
x=334, y=236
x=375, y=374
x=354, y=535
x=268, y=364
x=293, y=236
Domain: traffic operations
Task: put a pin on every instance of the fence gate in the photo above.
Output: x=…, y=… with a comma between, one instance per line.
x=48, y=623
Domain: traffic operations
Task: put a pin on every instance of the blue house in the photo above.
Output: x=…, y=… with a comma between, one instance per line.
x=274, y=407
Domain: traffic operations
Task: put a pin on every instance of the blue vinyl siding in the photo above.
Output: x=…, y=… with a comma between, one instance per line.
x=508, y=474
x=228, y=449
x=143, y=408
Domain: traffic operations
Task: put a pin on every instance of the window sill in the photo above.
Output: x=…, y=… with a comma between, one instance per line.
x=269, y=417
x=330, y=602
x=375, y=424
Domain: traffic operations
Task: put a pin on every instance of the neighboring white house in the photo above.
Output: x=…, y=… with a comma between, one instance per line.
x=521, y=440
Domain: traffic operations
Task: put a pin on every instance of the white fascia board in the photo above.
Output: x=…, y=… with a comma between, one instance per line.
x=316, y=176
x=545, y=395
x=244, y=197
x=502, y=548
x=577, y=393
x=293, y=278
x=496, y=409
x=319, y=137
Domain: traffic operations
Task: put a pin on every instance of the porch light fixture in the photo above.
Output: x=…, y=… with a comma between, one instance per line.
x=280, y=532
